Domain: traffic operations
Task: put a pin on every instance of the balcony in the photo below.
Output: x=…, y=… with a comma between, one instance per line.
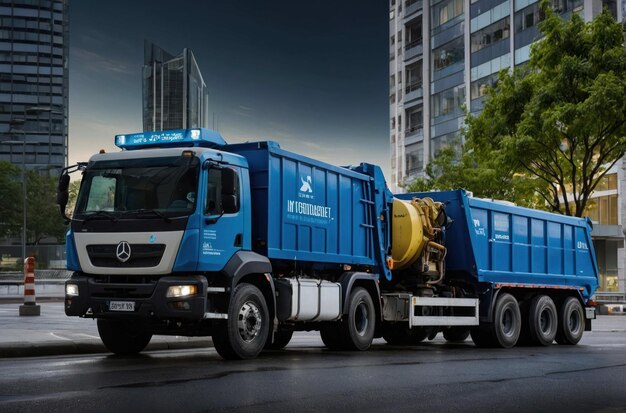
x=413, y=133
x=411, y=7
x=413, y=49
x=413, y=91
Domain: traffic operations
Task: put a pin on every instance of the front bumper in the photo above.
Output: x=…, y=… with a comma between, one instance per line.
x=150, y=301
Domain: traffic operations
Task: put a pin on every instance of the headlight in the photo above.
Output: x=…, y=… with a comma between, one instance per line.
x=71, y=290
x=177, y=291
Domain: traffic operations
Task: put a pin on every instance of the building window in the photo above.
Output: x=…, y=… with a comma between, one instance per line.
x=414, y=158
x=479, y=87
x=414, y=77
x=491, y=34
x=446, y=11
x=448, y=54
x=444, y=141
x=449, y=101
x=527, y=18
x=415, y=120
x=602, y=210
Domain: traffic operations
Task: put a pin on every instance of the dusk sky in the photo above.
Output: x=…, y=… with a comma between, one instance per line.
x=311, y=75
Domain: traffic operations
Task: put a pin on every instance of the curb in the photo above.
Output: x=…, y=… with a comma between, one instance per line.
x=12, y=350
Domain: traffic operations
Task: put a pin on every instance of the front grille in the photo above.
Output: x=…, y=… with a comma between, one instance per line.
x=142, y=255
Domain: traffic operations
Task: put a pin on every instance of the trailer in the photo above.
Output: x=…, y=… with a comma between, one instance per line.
x=181, y=233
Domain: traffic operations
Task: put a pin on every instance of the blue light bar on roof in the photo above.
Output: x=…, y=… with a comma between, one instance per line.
x=201, y=137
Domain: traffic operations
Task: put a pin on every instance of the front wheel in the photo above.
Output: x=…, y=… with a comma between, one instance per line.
x=244, y=334
x=358, y=326
x=122, y=337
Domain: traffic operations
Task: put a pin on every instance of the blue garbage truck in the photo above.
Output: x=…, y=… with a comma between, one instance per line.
x=181, y=233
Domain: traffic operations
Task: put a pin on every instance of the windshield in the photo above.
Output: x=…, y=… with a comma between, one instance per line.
x=143, y=187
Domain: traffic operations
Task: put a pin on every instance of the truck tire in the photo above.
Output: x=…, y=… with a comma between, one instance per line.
x=244, y=334
x=482, y=336
x=507, y=321
x=571, y=322
x=281, y=339
x=357, y=327
x=542, y=320
x=402, y=335
x=331, y=336
x=456, y=334
x=122, y=337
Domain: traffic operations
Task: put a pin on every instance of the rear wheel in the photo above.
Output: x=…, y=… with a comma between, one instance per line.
x=402, y=335
x=507, y=321
x=571, y=322
x=357, y=327
x=482, y=336
x=542, y=320
x=244, y=334
x=122, y=337
x=281, y=339
x=456, y=334
x=331, y=336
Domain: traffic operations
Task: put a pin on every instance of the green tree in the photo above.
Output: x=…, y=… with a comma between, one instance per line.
x=552, y=128
x=43, y=217
x=10, y=200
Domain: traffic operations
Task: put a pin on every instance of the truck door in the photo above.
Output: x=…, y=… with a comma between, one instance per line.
x=222, y=220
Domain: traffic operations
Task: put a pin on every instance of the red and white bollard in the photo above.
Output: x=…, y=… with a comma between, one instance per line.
x=29, y=307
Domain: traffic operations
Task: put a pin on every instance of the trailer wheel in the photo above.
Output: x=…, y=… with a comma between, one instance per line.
x=456, y=334
x=507, y=321
x=122, y=337
x=281, y=339
x=244, y=334
x=542, y=320
x=571, y=322
x=357, y=327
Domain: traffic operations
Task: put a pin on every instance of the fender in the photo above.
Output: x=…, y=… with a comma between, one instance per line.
x=244, y=263
x=347, y=280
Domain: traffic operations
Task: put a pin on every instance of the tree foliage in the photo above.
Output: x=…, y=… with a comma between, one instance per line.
x=10, y=200
x=551, y=129
x=42, y=215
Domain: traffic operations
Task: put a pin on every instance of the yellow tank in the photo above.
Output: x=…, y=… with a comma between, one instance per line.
x=413, y=231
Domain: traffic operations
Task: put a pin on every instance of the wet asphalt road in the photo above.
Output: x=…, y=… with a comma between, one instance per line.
x=432, y=377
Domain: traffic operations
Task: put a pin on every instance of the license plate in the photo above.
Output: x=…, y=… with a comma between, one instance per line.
x=122, y=306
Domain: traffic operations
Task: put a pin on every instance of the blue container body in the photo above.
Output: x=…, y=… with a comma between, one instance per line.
x=306, y=212
x=497, y=243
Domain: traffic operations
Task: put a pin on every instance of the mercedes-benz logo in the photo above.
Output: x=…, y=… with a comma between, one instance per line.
x=123, y=251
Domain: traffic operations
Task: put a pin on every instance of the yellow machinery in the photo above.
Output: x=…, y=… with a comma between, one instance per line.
x=414, y=231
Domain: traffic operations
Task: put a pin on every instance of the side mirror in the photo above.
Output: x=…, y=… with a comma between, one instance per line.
x=62, y=193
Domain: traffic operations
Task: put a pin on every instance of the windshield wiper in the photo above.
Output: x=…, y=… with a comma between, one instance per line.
x=101, y=213
x=151, y=211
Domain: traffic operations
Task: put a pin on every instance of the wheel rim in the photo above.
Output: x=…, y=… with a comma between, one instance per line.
x=545, y=321
x=249, y=321
x=361, y=318
x=574, y=322
x=508, y=323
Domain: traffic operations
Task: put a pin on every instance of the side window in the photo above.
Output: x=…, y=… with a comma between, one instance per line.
x=222, y=192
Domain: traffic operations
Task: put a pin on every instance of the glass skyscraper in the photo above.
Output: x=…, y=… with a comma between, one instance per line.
x=174, y=93
x=34, y=82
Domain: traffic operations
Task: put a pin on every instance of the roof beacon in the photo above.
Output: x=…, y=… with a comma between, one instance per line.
x=197, y=137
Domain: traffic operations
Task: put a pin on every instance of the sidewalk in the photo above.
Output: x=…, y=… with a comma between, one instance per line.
x=53, y=333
